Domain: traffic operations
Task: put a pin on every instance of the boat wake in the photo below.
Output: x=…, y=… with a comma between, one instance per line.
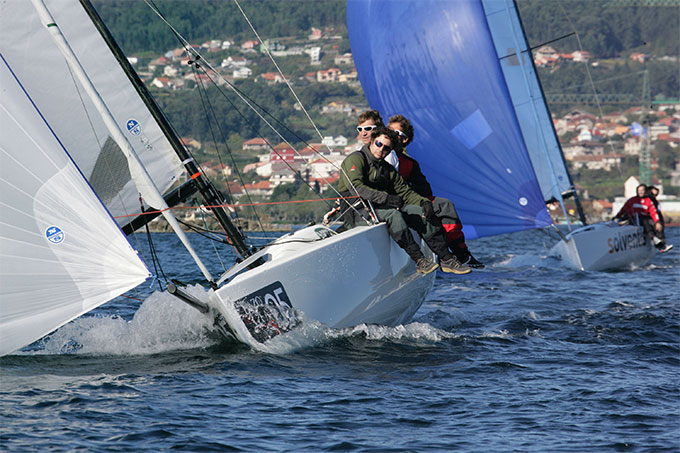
x=529, y=260
x=161, y=324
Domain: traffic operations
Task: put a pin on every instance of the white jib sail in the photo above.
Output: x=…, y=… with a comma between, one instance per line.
x=27, y=46
x=61, y=253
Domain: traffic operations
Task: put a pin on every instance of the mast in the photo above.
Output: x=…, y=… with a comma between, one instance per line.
x=143, y=181
x=573, y=193
x=211, y=195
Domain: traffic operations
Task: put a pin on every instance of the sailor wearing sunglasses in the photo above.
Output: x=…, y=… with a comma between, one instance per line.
x=409, y=169
x=377, y=182
x=367, y=122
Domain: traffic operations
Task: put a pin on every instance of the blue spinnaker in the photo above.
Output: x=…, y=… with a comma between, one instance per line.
x=435, y=63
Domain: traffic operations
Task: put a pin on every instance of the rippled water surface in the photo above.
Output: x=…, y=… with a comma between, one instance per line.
x=525, y=355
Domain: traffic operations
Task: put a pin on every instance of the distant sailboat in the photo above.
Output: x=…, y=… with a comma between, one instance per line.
x=77, y=121
x=463, y=74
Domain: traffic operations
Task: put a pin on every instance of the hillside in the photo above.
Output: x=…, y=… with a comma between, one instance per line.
x=611, y=32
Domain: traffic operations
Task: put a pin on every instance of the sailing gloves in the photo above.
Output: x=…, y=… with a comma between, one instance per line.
x=428, y=209
x=394, y=201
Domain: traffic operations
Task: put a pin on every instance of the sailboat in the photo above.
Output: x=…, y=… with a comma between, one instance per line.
x=88, y=157
x=463, y=74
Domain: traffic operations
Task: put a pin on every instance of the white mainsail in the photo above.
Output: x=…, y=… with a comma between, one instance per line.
x=61, y=253
x=43, y=71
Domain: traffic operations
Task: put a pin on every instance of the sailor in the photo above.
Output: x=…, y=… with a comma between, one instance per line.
x=366, y=123
x=444, y=209
x=640, y=210
x=653, y=193
x=365, y=173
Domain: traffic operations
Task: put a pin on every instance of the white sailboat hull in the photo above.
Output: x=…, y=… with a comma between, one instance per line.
x=341, y=280
x=605, y=246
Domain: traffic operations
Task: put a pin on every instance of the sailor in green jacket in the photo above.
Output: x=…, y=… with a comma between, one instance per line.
x=365, y=173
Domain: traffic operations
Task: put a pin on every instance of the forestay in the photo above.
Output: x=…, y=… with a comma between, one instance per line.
x=28, y=47
x=62, y=254
x=435, y=62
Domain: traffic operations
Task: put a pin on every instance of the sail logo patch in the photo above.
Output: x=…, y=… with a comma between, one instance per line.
x=133, y=127
x=54, y=234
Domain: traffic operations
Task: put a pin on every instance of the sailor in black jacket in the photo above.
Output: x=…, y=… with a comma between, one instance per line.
x=366, y=174
x=444, y=209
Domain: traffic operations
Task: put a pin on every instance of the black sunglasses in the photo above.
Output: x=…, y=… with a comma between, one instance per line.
x=380, y=144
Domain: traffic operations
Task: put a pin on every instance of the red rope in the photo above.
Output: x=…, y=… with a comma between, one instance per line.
x=235, y=205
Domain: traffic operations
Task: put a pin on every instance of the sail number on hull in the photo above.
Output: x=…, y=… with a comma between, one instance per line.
x=267, y=312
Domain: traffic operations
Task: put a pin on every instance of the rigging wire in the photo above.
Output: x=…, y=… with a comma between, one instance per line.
x=158, y=269
x=219, y=257
x=190, y=50
x=271, y=57
x=207, y=107
x=269, y=144
x=240, y=177
x=285, y=79
x=590, y=77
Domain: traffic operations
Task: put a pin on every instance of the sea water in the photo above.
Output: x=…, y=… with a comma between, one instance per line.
x=525, y=355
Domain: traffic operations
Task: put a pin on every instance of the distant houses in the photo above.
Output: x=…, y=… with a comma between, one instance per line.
x=547, y=56
x=589, y=142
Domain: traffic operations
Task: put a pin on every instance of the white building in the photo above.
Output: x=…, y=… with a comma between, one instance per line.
x=315, y=55
x=340, y=141
x=343, y=59
x=632, y=146
x=585, y=135
x=242, y=73
x=321, y=168
x=170, y=71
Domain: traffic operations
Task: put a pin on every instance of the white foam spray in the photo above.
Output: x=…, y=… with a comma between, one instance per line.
x=161, y=324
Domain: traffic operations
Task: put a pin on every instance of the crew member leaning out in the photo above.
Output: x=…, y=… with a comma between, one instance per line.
x=377, y=182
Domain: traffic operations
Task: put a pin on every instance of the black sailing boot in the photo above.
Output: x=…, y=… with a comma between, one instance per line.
x=462, y=253
x=465, y=257
x=473, y=262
